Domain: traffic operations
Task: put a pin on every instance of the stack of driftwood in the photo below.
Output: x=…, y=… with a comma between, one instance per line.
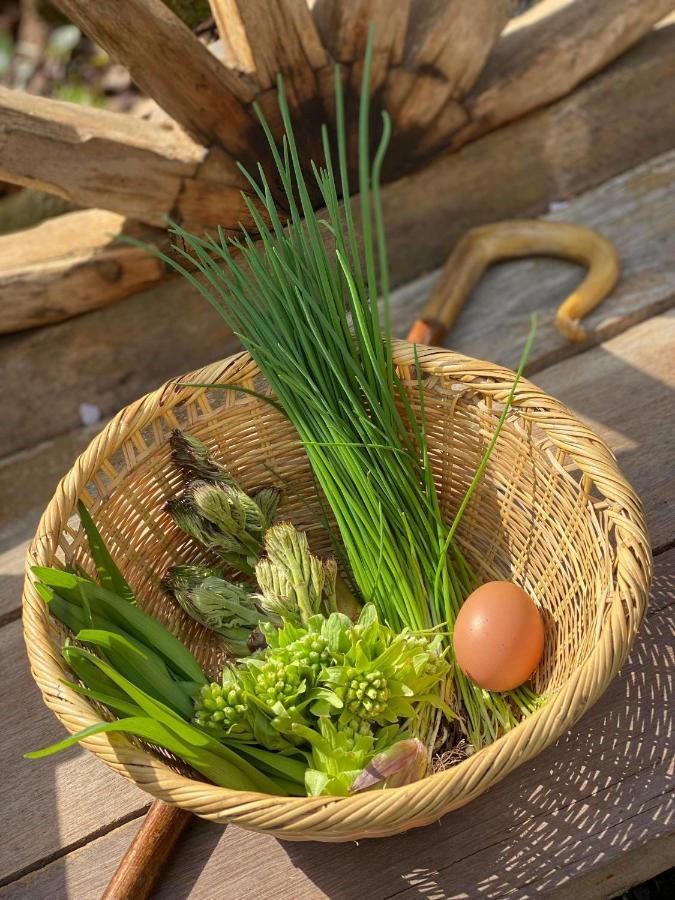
x=448, y=71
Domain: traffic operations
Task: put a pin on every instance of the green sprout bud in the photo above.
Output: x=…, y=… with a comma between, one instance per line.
x=294, y=583
x=193, y=458
x=355, y=727
x=224, y=607
x=188, y=520
x=232, y=512
x=310, y=652
x=267, y=499
x=403, y=763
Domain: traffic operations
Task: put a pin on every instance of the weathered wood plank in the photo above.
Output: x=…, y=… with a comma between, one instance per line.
x=446, y=46
x=150, y=40
x=54, y=802
x=624, y=390
x=11, y=576
x=94, y=157
x=592, y=808
x=70, y=265
x=565, y=44
x=76, y=152
x=106, y=358
x=27, y=482
x=281, y=38
x=236, y=50
x=454, y=38
x=343, y=26
x=634, y=210
x=613, y=122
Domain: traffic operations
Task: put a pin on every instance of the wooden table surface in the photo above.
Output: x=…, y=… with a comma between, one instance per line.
x=592, y=815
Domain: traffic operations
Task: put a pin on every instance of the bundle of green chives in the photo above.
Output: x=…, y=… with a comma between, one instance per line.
x=309, y=317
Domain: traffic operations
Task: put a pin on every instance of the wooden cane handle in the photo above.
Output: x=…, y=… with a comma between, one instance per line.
x=143, y=862
x=483, y=246
x=427, y=331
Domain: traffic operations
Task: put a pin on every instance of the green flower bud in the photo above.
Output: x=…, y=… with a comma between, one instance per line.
x=366, y=696
x=355, y=727
x=221, y=708
x=277, y=682
x=310, y=652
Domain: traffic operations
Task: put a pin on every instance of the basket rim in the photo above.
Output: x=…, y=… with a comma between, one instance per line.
x=394, y=809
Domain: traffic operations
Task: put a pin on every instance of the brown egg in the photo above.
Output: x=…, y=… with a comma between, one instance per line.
x=499, y=636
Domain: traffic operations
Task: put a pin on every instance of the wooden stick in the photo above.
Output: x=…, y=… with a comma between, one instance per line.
x=170, y=64
x=142, y=864
x=237, y=53
x=93, y=157
x=446, y=47
x=274, y=37
x=70, y=265
x=551, y=50
x=343, y=26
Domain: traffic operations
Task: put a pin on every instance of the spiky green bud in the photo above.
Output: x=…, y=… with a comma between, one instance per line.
x=294, y=583
x=221, y=605
x=234, y=515
x=183, y=578
x=267, y=499
x=184, y=514
x=310, y=652
x=355, y=727
x=193, y=458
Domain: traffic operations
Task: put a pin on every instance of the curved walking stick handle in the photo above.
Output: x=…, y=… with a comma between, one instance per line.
x=482, y=246
x=143, y=862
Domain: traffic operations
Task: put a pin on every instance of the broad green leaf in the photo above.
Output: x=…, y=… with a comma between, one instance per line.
x=292, y=769
x=195, y=736
x=137, y=664
x=108, y=573
x=90, y=674
x=110, y=700
x=215, y=768
x=147, y=630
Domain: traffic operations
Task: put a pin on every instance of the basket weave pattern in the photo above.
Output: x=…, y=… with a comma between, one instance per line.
x=553, y=512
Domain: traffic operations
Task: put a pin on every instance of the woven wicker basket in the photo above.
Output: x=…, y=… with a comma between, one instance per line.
x=553, y=512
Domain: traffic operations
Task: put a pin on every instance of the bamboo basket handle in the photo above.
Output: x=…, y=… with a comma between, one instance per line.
x=481, y=247
x=143, y=862
x=477, y=249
